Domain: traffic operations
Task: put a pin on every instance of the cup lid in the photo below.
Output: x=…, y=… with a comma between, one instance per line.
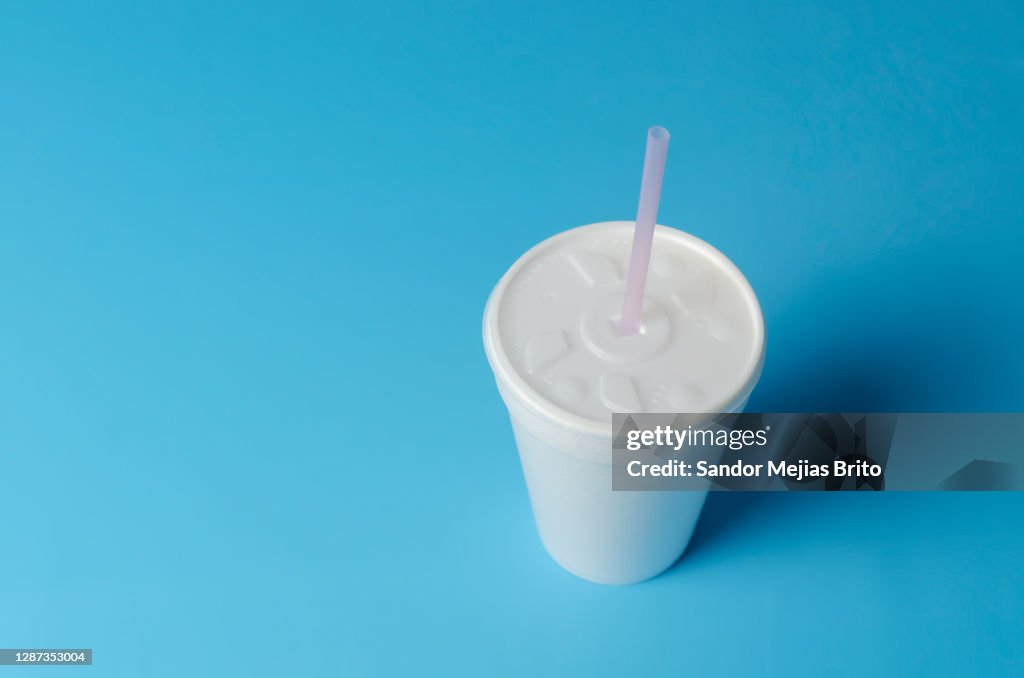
x=551, y=330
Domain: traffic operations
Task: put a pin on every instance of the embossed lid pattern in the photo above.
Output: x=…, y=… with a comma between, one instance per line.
x=702, y=335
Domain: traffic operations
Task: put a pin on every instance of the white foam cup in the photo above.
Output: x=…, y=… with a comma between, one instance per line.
x=551, y=337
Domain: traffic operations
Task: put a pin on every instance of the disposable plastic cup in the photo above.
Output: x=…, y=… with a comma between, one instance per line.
x=551, y=338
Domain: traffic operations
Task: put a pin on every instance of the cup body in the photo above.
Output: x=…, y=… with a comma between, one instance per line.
x=597, y=534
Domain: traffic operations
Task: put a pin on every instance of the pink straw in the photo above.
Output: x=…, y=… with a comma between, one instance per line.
x=643, y=236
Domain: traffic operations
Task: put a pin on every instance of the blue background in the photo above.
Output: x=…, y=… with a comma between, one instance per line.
x=244, y=253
